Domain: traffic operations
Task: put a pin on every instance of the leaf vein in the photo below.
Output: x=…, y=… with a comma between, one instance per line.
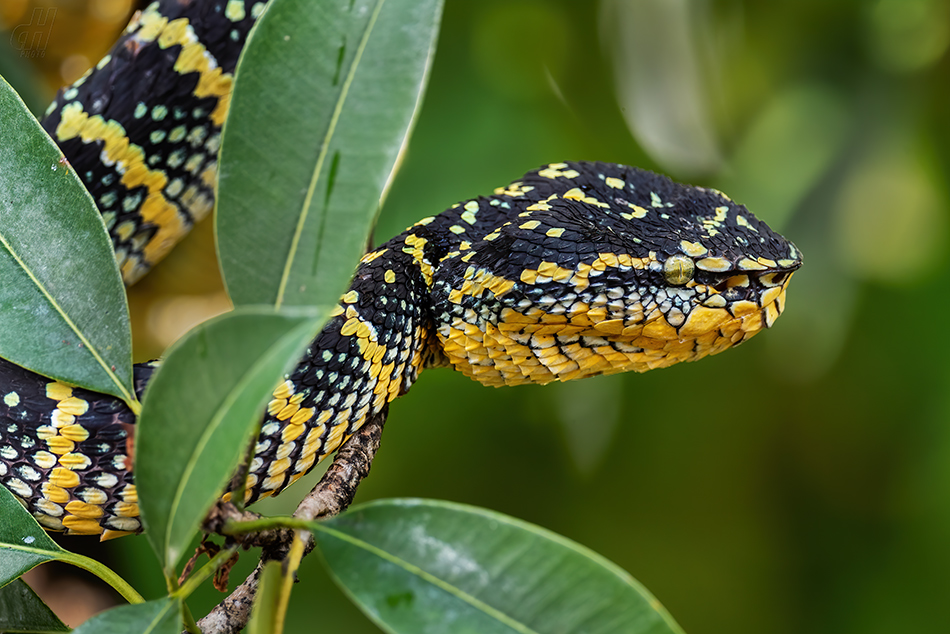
x=324, y=149
x=69, y=322
x=429, y=577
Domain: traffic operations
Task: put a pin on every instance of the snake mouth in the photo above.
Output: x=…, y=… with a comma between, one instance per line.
x=742, y=287
x=768, y=279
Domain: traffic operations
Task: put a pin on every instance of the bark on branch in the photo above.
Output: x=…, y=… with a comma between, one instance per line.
x=332, y=495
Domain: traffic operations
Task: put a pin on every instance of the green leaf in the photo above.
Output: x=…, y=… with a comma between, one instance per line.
x=419, y=566
x=22, y=611
x=63, y=311
x=152, y=617
x=265, y=614
x=324, y=98
x=200, y=411
x=25, y=545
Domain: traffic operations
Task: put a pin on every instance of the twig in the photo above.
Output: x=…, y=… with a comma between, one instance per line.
x=337, y=488
x=331, y=496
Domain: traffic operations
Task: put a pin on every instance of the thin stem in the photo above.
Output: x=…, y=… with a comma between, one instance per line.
x=190, y=624
x=296, y=553
x=263, y=524
x=106, y=574
x=171, y=582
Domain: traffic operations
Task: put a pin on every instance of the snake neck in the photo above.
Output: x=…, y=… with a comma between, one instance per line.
x=379, y=338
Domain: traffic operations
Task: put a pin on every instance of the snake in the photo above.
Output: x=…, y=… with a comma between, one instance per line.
x=576, y=269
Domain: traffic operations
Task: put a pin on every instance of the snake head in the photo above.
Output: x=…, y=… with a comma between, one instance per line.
x=602, y=268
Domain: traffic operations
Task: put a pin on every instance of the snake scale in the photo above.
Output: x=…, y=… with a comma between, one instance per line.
x=574, y=270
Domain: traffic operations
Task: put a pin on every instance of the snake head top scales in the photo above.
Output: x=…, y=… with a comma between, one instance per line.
x=603, y=268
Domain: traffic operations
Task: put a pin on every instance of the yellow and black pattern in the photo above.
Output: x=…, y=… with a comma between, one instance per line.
x=600, y=269
x=576, y=269
x=372, y=350
x=143, y=127
x=67, y=452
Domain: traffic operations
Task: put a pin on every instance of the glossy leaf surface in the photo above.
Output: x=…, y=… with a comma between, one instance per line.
x=200, y=410
x=22, y=611
x=325, y=95
x=63, y=311
x=423, y=566
x=162, y=616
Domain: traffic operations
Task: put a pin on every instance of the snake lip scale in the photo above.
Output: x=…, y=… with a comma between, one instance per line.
x=574, y=270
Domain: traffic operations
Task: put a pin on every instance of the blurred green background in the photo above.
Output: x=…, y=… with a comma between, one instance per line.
x=800, y=483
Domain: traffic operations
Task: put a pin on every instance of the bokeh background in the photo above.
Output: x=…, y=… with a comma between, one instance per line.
x=800, y=483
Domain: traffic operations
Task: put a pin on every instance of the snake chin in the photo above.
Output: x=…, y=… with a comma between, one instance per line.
x=635, y=331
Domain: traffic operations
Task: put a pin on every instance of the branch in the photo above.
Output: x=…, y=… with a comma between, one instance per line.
x=331, y=496
x=336, y=490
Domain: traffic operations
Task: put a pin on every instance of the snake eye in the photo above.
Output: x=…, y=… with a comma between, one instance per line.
x=678, y=269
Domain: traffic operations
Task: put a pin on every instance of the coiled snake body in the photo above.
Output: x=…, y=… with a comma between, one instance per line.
x=574, y=270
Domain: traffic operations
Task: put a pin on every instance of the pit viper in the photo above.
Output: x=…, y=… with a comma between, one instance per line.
x=575, y=269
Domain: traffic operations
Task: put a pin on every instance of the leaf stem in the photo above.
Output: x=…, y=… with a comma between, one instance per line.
x=190, y=624
x=103, y=572
x=171, y=582
x=264, y=524
x=289, y=575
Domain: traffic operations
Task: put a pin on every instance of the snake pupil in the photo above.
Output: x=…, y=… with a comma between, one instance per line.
x=678, y=270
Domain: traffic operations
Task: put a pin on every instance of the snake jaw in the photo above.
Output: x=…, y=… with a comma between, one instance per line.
x=608, y=329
